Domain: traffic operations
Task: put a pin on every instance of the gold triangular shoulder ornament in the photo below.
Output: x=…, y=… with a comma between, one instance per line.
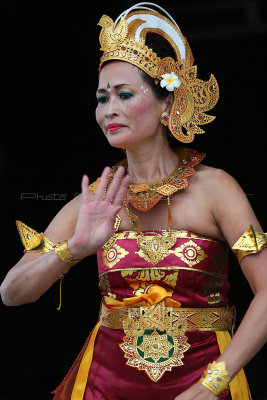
x=32, y=240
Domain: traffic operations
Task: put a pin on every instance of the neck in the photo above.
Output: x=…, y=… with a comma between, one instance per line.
x=148, y=163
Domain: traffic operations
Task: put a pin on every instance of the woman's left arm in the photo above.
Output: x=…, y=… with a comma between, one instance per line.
x=233, y=214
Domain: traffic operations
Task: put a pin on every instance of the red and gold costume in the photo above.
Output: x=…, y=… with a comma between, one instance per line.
x=165, y=314
x=194, y=277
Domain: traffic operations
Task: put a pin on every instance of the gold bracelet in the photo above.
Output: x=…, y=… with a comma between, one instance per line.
x=215, y=378
x=62, y=251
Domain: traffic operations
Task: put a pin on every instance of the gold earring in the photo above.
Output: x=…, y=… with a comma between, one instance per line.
x=164, y=118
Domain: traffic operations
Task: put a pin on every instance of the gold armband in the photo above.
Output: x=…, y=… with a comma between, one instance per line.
x=215, y=378
x=62, y=251
x=250, y=242
x=34, y=241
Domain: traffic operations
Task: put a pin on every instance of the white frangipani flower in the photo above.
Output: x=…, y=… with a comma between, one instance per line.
x=170, y=81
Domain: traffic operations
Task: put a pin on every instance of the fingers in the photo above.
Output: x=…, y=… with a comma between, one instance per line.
x=115, y=186
x=121, y=191
x=103, y=184
x=85, y=191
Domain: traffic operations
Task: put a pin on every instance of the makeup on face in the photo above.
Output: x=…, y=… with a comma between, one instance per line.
x=123, y=93
x=144, y=90
x=114, y=127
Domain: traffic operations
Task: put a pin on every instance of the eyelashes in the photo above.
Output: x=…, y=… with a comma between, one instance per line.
x=123, y=95
x=101, y=99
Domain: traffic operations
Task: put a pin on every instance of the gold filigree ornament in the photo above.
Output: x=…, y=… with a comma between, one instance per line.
x=111, y=256
x=144, y=196
x=216, y=378
x=151, y=344
x=156, y=247
x=124, y=40
x=250, y=242
x=33, y=240
x=190, y=253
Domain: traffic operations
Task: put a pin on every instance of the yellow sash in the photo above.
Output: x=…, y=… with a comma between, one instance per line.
x=238, y=385
x=81, y=378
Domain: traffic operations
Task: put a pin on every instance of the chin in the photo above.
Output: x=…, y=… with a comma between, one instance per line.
x=119, y=141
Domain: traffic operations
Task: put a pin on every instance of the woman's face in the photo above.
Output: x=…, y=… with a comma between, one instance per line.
x=127, y=111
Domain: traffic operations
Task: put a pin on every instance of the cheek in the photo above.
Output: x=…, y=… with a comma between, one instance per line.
x=98, y=116
x=141, y=108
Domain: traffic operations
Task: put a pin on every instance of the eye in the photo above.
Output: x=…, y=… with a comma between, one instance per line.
x=102, y=98
x=125, y=95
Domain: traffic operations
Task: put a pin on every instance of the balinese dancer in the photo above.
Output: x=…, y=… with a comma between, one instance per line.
x=161, y=223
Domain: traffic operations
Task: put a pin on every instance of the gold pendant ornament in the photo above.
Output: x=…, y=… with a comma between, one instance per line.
x=156, y=247
x=155, y=336
x=151, y=345
x=155, y=352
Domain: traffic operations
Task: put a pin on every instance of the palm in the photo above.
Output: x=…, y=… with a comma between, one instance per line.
x=96, y=217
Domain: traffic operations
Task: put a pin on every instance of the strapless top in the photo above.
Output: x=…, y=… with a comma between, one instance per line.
x=194, y=270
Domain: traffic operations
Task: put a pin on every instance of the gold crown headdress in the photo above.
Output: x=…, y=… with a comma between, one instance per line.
x=124, y=40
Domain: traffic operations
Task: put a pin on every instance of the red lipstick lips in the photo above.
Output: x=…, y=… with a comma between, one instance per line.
x=114, y=127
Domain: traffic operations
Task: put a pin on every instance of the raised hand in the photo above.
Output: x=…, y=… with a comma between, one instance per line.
x=95, y=223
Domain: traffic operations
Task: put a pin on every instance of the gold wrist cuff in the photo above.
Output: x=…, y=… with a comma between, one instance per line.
x=215, y=378
x=250, y=242
x=62, y=251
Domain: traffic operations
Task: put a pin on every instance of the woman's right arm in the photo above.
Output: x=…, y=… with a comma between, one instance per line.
x=35, y=273
x=85, y=222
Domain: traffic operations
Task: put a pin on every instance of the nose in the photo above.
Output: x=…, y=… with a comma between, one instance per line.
x=112, y=108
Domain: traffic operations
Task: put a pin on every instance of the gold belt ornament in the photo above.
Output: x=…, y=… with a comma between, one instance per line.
x=155, y=339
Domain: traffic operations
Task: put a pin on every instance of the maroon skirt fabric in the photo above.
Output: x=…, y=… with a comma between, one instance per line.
x=111, y=379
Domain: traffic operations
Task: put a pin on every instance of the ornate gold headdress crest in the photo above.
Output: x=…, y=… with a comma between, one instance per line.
x=124, y=40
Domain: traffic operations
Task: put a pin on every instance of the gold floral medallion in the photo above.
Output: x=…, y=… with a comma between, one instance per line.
x=151, y=343
x=154, y=352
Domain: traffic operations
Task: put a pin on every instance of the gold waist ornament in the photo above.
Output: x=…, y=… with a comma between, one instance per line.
x=155, y=339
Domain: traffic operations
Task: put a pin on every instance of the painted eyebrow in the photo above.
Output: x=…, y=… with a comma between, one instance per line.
x=100, y=90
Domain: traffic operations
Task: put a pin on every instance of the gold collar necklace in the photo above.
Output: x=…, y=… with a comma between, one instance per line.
x=144, y=196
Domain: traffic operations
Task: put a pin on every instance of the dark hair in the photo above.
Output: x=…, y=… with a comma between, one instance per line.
x=163, y=49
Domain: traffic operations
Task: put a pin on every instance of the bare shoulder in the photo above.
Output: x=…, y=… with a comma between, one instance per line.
x=218, y=183
x=214, y=175
x=229, y=204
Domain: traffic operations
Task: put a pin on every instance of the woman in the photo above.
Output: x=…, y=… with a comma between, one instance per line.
x=160, y=232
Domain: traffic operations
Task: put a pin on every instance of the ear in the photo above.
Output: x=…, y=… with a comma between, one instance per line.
x=168, y=102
